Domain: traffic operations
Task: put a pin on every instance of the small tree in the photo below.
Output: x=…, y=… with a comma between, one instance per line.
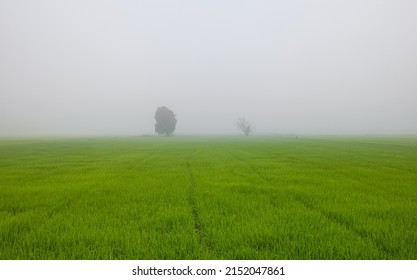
x=244, y=126
x=165, y=121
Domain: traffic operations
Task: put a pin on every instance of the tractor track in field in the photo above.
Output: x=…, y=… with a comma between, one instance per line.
x=326, y=214
x=191, y=198
x=338, y=219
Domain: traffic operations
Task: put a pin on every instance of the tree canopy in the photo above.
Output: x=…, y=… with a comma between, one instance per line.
x=165, y=121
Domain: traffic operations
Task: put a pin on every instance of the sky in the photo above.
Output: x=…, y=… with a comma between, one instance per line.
x=85, y=67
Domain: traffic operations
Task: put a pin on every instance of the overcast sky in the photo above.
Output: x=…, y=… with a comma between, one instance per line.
x=103, y=67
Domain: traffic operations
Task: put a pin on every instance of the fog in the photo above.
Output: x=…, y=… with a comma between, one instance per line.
x=308, y=67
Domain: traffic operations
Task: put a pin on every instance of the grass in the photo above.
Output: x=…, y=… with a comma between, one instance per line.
x=208, y=198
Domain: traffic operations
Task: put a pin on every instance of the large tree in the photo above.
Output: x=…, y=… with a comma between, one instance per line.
x=165, y=121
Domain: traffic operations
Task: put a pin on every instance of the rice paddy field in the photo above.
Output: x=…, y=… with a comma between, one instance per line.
x=208, y=198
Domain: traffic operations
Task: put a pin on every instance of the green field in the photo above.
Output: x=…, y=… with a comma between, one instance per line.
x=208, y=198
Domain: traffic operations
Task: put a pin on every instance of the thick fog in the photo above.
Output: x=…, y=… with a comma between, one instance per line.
x=99, y=67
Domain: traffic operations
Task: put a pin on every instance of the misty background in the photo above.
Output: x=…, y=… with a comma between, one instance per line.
x=85, y=67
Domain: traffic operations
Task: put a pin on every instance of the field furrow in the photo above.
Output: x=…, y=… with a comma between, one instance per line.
x=191, y=199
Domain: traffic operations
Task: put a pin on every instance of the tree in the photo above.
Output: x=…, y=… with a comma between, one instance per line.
x=244, y=125
x=165, y=121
